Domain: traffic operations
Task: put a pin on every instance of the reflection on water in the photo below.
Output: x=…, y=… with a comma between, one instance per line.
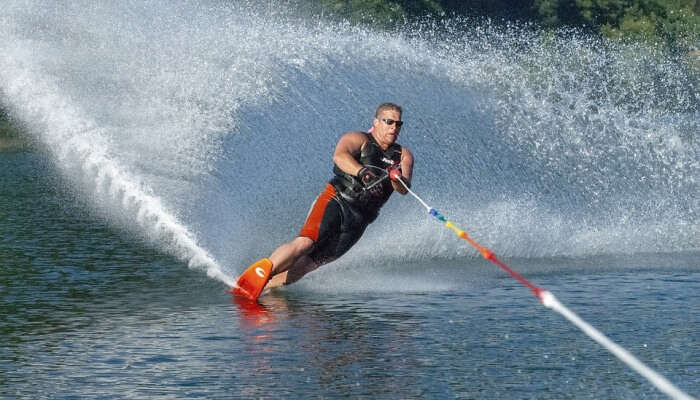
x=339, y=346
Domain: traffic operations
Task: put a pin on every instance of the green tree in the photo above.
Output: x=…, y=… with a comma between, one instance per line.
x=547, y=12
x=602, y=12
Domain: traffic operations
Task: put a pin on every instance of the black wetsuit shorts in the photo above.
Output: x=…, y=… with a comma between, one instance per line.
x=334, y=226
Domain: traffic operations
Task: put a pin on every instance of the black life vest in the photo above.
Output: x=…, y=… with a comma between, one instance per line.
x=377, y=160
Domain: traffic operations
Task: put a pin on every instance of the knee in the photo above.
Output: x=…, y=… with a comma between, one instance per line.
x=302, y=245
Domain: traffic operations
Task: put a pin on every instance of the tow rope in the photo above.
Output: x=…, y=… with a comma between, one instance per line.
x=551, y=302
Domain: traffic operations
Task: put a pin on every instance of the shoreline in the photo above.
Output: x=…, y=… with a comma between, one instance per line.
x=12, y=144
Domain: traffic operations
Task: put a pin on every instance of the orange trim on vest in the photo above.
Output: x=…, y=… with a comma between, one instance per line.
x=313, y=222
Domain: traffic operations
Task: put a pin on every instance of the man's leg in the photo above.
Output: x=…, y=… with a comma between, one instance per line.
x=296, y=271
x=287, y=254
x=291, y=261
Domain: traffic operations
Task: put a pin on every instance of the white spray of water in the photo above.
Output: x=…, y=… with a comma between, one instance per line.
x=220, y=111
x=78, y=143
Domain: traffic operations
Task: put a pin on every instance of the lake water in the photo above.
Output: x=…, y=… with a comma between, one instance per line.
x=87, y=312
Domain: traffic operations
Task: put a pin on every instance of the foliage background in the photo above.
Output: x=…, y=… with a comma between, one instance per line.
x=672, y=25
x=674, y=22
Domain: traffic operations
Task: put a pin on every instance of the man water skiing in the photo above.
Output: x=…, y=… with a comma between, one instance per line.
x=367, y=169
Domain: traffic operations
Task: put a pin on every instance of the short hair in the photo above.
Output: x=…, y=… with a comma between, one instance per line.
x=388, y=106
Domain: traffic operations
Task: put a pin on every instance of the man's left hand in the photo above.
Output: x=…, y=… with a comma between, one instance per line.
x=395, y=174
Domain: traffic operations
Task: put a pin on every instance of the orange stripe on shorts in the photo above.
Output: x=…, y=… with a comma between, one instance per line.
x=313, y=220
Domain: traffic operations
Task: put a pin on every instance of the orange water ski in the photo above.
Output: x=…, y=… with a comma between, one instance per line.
x=253, y=280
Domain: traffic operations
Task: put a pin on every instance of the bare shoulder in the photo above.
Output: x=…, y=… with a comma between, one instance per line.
x=352, y=140
x=355, y=136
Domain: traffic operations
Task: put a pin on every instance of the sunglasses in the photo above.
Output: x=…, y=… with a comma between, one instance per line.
x=390, y=121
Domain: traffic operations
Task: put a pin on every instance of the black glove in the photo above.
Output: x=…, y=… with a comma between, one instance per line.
x=369, y=178
x=366, y=176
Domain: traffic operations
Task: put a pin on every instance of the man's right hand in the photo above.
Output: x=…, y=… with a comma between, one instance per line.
x=366, y=176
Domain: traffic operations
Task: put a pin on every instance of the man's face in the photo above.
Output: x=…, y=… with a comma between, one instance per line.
x=386, y=127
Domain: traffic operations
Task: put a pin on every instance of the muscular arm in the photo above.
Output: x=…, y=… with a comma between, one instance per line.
x=348, y=147
x=406, y=170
